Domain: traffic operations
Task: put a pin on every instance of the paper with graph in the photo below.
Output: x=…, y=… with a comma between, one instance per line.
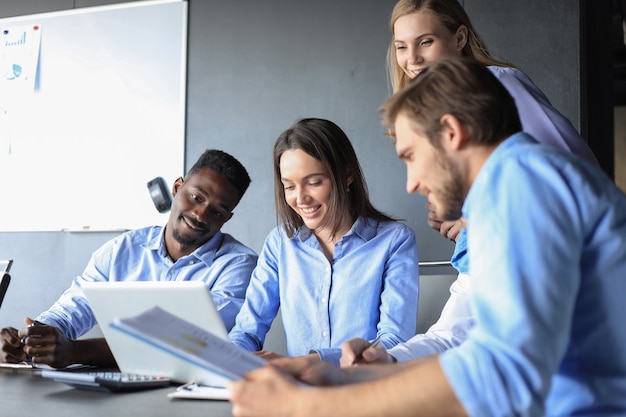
x=161, y=329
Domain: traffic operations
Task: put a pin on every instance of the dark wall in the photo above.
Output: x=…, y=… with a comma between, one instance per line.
x=255, y=67
x=540, y=37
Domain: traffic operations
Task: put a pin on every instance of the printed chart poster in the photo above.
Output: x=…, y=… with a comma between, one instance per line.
x=19, y=60
x=93, y=97
x=19, y=57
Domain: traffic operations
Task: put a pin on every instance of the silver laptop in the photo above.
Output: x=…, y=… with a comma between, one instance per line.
x=190, y=300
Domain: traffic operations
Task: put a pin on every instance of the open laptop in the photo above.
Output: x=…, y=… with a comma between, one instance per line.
x=190, y=300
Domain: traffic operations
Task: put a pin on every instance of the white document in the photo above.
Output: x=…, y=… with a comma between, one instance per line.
x=194, y=391
x=187, y=341
x=36, y=369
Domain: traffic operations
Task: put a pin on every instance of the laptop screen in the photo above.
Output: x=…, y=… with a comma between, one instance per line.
x=189, y=300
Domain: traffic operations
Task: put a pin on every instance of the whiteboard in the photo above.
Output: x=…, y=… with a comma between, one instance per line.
x=104, y=114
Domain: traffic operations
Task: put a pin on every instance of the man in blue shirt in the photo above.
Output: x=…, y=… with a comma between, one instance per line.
x=549, y=275
x=190, y=247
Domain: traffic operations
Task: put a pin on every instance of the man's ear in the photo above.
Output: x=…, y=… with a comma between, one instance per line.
x=453, y=132
x=179, y=181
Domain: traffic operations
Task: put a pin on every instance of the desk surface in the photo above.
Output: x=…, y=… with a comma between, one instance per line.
x=24, y=394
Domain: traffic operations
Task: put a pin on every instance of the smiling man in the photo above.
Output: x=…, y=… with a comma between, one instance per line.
x=549, y=275
x=190, y=247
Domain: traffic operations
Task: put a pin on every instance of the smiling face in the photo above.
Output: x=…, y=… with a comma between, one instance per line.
x=202, y=204
x=421, y=39
x=429, y=170
x=307, y=189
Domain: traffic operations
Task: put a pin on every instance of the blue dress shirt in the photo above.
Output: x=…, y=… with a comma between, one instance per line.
x=368, y=290
x=222, y=263
x=541, y=121
x=549, y=281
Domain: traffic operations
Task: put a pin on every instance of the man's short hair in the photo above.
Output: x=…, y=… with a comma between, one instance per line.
x=462, y=87
x=224, y=164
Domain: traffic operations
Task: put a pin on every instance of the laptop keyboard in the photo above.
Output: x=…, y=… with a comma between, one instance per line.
x=107, y=381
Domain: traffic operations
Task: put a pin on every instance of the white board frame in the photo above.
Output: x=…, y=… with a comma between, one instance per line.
x=107, y=114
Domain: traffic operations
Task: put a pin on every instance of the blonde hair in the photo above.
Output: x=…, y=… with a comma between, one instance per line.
x=452, y=15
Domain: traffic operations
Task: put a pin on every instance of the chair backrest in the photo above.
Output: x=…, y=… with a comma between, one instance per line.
x=433, y=294
x=275, y=340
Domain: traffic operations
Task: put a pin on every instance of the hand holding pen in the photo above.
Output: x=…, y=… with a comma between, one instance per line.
x=28, y=338
x=45, y=344
x=360, y=351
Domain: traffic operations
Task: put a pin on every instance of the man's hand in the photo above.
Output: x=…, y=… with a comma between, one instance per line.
x=46, y=344
x=358, y=351
x=267, y=355
x=11, y=346
x=302, y=368
x=264, y=392
x=311, y=370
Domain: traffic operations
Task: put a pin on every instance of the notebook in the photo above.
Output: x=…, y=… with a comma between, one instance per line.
x=190, y=300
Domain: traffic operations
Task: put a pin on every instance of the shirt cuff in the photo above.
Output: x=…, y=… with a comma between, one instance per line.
x=328, y=355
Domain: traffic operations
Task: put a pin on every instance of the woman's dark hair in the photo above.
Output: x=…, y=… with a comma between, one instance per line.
x=326, y=142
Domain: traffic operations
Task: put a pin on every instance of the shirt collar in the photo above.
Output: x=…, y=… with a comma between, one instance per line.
x=366, y=230
x=205, y=253
x=496, y=156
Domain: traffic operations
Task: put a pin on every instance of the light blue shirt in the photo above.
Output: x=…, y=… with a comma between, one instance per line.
x=368, y=290
x=222, y=263
x=541, y=121
x=549, y=287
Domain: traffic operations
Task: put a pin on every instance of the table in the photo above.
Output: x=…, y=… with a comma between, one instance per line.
x=25, y=394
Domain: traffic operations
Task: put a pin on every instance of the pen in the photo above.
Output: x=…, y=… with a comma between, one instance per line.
x=372, y=344
x=189, y=386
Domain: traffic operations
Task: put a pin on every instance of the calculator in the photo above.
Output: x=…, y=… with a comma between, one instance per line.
x=107, y=381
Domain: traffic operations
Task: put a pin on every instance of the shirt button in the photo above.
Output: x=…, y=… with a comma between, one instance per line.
x=192, y=262
x=324, y=300
x=325, y=334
